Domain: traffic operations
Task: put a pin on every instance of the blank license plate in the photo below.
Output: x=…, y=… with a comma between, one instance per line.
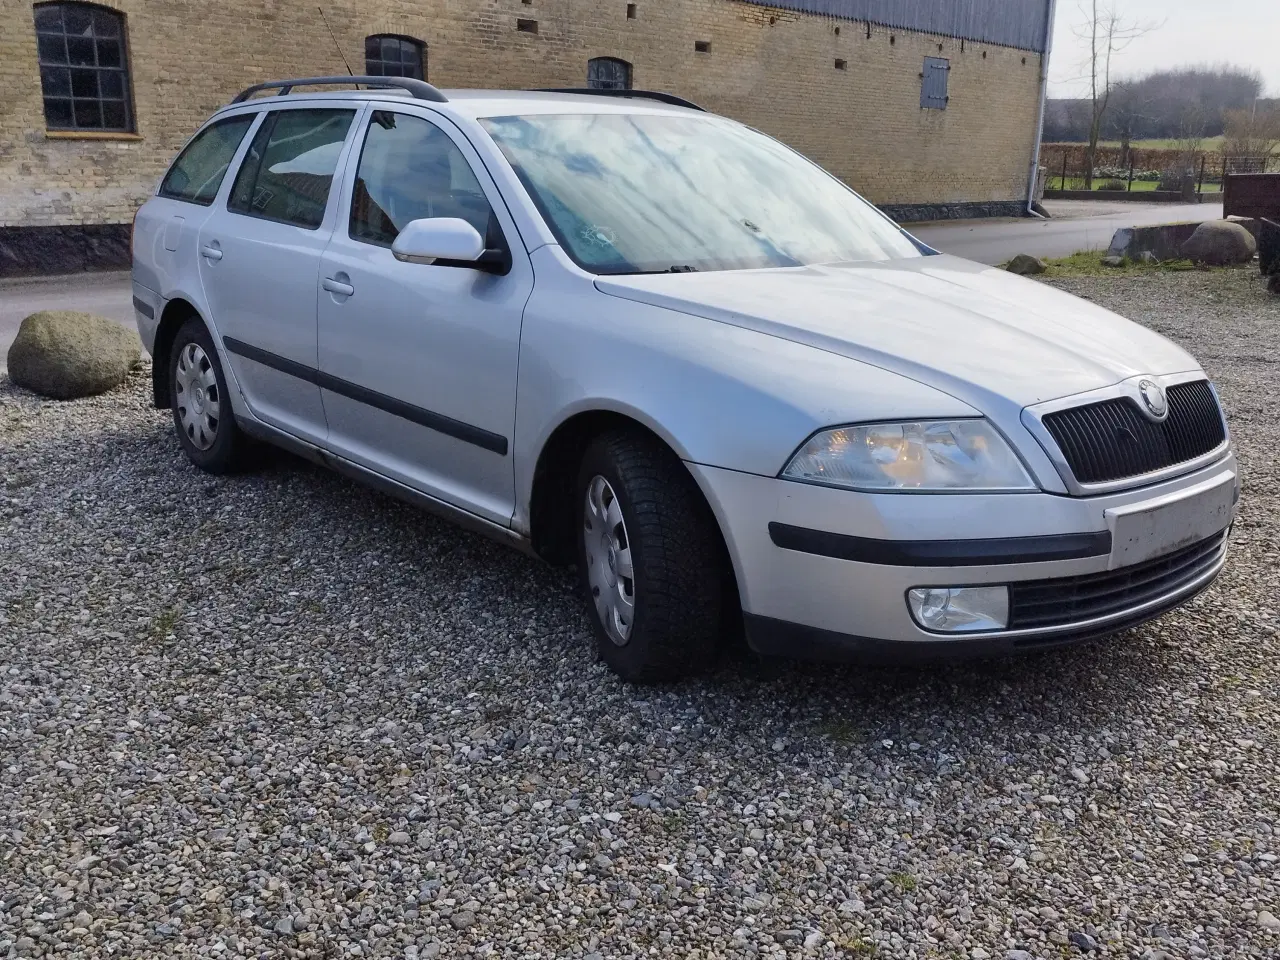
x=1152, y=529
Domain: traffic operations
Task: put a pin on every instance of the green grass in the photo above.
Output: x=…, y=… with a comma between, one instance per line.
x=1168, y=143
x=856, y=947
x=1088, y=263
x=903, y=881
x=164, y=622
x=673, y=823
x=1077, y=183
x=1208, y=144
x=841, y=731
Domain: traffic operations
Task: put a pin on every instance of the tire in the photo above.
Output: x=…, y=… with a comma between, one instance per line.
x=677, y=613
x=202, y=415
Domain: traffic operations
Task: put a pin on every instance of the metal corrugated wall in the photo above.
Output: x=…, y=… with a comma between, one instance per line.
x=1010, y=23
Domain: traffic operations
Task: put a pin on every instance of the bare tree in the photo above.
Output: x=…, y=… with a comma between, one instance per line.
x=1151, y=106
x=1192, y=120
x=1108, y=34
x=1252, y=133
x=1129, y=112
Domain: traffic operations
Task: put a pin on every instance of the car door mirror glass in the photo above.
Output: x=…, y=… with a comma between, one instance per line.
x=438, y=238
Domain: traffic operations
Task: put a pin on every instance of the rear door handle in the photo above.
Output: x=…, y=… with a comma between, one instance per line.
x=337, y=287
x=210, y=251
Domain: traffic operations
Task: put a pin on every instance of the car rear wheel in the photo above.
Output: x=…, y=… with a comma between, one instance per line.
x=652, y=564
x=202, y=414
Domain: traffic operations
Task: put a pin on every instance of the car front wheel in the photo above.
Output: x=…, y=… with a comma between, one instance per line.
x=652, y=564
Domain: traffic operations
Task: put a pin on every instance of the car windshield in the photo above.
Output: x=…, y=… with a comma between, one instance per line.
x=654, y=193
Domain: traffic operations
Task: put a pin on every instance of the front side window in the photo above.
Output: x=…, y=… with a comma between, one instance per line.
x=84, y=71
x=608, y=73
x=653, y=193
x=288, y=171
x=197, y=173
x=386, y=56
x=410, y=169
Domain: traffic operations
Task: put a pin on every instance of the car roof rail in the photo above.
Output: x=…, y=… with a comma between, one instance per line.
x=658, y=95
x=419, y=89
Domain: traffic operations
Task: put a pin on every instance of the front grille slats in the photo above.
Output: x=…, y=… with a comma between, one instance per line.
x=1069, y=600
x=1113, y=440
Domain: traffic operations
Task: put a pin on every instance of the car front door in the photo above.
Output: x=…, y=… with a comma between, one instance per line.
x=260, y=259
x=418, y=360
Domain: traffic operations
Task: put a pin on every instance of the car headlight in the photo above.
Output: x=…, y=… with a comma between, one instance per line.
x=925, y=455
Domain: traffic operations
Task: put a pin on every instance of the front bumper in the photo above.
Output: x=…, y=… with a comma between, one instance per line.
x=824, y=573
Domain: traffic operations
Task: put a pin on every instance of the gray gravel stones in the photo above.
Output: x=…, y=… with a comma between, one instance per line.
x=277, y=715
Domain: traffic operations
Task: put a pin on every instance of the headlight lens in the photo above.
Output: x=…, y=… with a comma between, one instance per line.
x=926, y=455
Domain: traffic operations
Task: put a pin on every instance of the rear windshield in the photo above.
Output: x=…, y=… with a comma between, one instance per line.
x=652, y=193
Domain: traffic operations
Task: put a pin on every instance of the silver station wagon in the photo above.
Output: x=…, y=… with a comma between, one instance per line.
x=623, y=333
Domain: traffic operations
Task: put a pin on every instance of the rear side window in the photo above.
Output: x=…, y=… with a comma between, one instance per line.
x=288, y=171
x=197, y=173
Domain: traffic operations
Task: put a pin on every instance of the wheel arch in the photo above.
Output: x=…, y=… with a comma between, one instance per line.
x=176, y=312
x=552, y=496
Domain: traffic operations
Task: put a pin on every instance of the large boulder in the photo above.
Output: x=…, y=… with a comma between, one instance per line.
x=1220, y=243
x=1026, y=265
x=64, y=355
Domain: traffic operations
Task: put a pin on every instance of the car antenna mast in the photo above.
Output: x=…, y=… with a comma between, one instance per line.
x=338, y=46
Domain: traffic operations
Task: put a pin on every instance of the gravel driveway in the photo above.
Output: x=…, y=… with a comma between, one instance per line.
x=279, y=716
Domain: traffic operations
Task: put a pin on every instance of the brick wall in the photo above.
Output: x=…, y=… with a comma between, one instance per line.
x=771, y=68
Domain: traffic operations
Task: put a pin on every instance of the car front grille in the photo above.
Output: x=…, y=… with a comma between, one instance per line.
x=1113, y=440
x=1070, y=600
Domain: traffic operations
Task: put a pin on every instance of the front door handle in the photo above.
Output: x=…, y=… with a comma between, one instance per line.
x=337, y=287
x=211, y=251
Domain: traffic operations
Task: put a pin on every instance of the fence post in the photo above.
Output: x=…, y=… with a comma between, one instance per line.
x=1130, y=187
x=1200, y=184
x=1064, y=170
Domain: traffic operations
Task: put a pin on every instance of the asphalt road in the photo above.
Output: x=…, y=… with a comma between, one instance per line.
x=1076, y=226
x=1086, y=225
x=106, y=294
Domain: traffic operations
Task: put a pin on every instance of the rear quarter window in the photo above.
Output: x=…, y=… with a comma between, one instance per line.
x=199, y=170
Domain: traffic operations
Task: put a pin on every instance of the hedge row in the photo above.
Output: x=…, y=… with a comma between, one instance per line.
x=1051, y=155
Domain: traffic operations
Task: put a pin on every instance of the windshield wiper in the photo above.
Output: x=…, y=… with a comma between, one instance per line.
x=674, y=268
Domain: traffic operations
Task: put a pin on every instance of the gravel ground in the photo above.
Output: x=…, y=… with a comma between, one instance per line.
x=279, y=716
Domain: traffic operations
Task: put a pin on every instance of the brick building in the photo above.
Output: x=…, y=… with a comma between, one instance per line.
x=928, y=107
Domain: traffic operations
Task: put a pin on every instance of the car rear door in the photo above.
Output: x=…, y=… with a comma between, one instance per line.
x=167, y=227
x=418, y=361
x=259, y=259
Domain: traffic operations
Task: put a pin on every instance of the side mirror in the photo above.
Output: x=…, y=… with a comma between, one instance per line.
x=439, y=238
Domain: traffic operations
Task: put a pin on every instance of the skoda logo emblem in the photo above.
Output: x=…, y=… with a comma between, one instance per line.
x=1153, y=399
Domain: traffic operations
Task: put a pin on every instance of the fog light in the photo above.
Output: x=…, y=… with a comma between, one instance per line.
x=959, y=609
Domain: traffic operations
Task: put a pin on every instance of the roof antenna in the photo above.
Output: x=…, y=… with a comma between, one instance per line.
x=350, y=73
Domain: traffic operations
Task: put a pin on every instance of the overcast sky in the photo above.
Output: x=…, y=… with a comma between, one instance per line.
x=1244, y=33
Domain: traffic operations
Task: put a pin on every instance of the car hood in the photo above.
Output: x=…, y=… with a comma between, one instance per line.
x=979, y=333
